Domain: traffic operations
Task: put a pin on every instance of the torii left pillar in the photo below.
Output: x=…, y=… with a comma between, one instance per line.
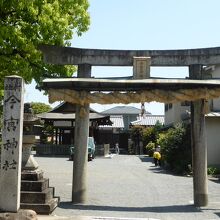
x=79, y=187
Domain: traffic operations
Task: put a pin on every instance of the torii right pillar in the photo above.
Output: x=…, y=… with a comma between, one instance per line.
x=199, y=144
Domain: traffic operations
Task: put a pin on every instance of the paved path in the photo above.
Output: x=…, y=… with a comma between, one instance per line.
x=129, y=186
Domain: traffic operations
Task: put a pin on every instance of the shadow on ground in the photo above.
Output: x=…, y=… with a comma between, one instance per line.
x=159, y=209
x=159, y=170
x=218, y=214
x=145, y=159
x=153, y=168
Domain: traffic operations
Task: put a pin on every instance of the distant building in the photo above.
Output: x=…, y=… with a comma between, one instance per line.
x=148, y=120
x=118, y=132
x=144, y=120
x=62, y=121
x=129, y=114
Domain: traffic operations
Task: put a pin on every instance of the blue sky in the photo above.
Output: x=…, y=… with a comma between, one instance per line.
x=145, y=24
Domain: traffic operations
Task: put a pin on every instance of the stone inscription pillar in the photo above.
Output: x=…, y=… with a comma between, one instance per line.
x=79, y=190
x=199, y=145
x=11, y=150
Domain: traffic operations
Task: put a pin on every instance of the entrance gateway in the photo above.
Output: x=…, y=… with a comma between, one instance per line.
x=84, y=90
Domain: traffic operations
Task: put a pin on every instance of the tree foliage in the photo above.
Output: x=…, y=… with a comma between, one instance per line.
x=39, y=107
x=150, y=147
x=136, y=131
x=150, y=134
x=145, y=134
x=26, y=24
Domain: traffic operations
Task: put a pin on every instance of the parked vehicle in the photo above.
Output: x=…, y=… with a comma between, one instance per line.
x=91, y=149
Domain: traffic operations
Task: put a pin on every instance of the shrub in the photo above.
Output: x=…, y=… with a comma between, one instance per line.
x=150, y=148
x=176, y=148
x=213, y=170
x=146, y=135
x=151, y=133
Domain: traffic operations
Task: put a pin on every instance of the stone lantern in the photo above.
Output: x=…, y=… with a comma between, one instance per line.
x=36, y=194
x=28, y=161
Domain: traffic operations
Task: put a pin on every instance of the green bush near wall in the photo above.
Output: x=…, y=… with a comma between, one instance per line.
x=176, y=148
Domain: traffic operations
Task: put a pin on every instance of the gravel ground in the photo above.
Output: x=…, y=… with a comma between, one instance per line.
x=129, y=187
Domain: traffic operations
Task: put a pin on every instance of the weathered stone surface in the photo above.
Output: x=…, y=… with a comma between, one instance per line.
x=42, y=208
x=28, y=161
x=32, y=175
x=141, y=67
x=199, y=145
x=30, y=164
x=22, y=214
x=95, y=84
x=11, y=150
x=103, y=57
x=36, y=193
x=79, y=188
x=36, y=186
x=106, y=149
x=37, y=197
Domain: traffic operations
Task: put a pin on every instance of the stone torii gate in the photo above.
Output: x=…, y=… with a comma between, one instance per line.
x=84, y=91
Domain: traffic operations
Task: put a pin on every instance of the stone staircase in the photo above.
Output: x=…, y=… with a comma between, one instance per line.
x=36, y=193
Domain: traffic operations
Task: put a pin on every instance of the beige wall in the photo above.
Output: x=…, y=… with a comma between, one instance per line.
x=213, y=140
x=213, y=127
x=215, y=74
x=169, y=116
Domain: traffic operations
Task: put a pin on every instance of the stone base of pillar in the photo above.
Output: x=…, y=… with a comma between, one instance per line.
x=201, y=200
x=36, y=194
x=79, y=198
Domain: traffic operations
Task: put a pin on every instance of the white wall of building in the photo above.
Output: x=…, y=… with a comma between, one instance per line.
x=215, y=72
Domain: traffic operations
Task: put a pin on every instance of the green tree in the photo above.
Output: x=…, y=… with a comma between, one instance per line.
x=26, y=24
x=39, y=107
x=150, y=134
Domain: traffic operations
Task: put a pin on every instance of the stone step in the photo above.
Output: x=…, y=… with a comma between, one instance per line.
x=37, y=197
x=35, y=186
x=32, y=175
x=42, y=208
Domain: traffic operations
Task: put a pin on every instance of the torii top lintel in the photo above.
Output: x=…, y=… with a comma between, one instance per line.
x=102, y=57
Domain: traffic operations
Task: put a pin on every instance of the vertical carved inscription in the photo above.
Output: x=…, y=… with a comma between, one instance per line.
x=141, y=67
x=11, y=144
